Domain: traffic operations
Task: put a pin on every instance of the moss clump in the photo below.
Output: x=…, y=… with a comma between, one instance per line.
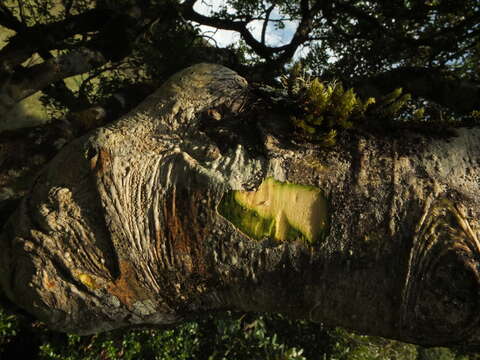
x=323, y=108
x=392, y=103
x=277, y=210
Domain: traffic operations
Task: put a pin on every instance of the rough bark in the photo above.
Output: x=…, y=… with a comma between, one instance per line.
x=164, y=215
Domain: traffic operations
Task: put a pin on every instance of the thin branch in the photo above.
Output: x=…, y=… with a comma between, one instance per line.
x=265, y=23
x=82, y=91
x=302, y=32
x=276, y=56
x=211, y=37
x=21, y=11
x=225, y=24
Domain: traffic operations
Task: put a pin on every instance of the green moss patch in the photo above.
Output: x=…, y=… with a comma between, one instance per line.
x=278, y=210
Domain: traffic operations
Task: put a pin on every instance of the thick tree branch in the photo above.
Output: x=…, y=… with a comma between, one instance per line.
x=112, y=43
x=460, y=95
x=48, y=36
x=59, y=91
x=169, y=213
x=28, y=81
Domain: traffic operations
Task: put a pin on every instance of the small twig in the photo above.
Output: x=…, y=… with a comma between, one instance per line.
x=67, y=4
x=81, y=90
x=204, y=35
x=21, y=11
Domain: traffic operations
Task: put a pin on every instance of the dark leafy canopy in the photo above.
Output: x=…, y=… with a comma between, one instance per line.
x=430, y=48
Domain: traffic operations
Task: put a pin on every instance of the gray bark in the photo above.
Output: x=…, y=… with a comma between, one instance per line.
x=37, y=77
x=132, y=224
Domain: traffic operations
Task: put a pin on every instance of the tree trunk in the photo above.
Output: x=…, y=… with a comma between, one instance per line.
x=185, y=206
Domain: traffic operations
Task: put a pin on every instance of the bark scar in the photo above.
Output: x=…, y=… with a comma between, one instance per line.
x=126, y=287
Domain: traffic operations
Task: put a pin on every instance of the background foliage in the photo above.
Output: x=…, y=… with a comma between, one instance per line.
x=225, y=336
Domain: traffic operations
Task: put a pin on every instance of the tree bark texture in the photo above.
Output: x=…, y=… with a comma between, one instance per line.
x=170, y=212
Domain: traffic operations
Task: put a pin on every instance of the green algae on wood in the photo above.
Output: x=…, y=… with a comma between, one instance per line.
x=278, y=210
